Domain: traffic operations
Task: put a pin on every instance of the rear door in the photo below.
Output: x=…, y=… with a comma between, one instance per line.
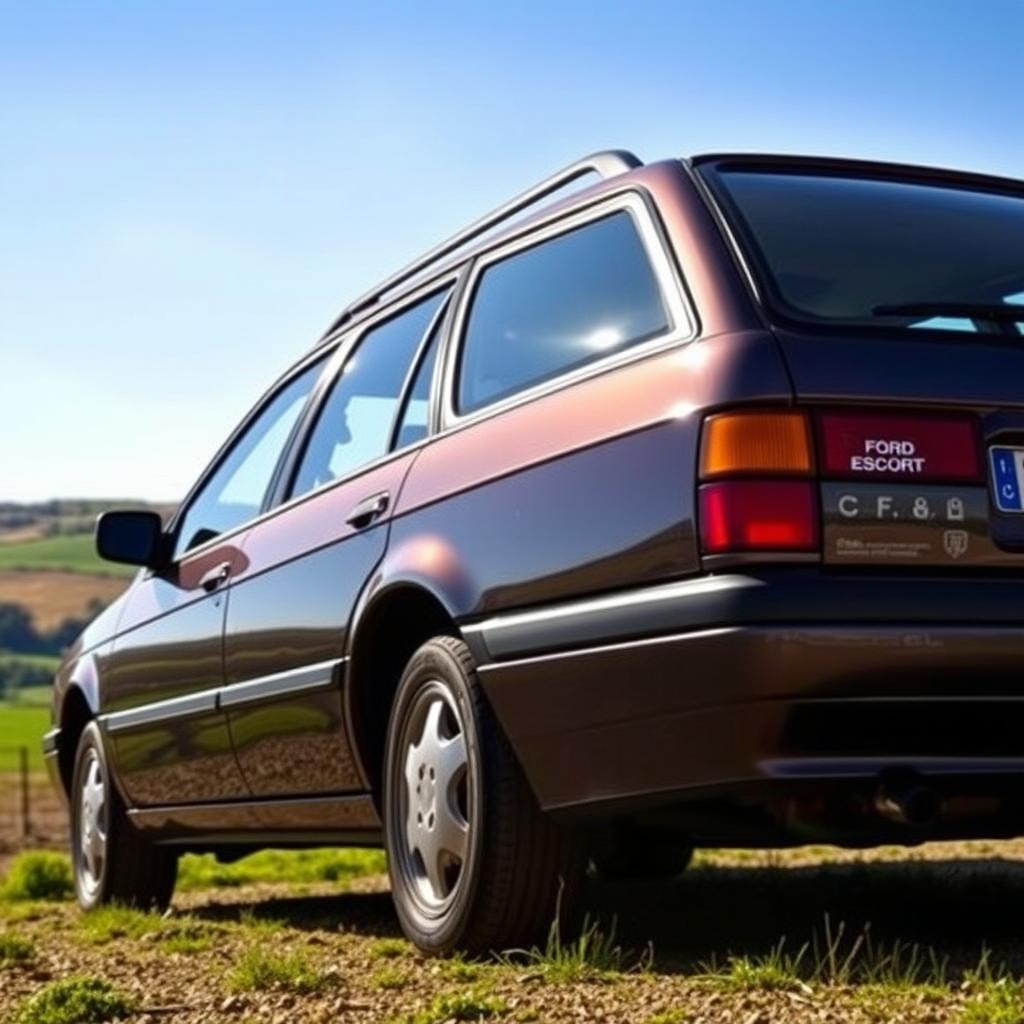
x=162, y=681
x=306, y=566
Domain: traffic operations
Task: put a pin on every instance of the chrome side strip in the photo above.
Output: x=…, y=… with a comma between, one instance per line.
x=601, y=620
x=306, y=679
x=162, y=710
x=298, y=680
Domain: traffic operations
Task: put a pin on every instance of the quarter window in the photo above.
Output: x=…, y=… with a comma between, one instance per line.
x=355, y=424
x=559, y=305
x=235, y=492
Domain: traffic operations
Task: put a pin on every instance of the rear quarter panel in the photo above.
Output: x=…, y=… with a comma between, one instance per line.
x=586, y=489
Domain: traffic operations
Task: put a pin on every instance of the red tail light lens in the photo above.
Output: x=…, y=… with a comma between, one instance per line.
x=749, y=515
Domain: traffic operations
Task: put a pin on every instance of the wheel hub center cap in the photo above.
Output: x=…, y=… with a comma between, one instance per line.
x=425, y=797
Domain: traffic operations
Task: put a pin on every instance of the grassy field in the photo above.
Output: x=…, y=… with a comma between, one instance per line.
x=22, y=724
x=70, y=553
x=47, y=662
x=817, y=935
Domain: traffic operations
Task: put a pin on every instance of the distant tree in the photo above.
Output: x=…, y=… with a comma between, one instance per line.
x=17, y=631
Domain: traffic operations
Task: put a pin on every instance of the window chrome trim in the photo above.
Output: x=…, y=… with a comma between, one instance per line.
x=683, y=321
x=306, y=679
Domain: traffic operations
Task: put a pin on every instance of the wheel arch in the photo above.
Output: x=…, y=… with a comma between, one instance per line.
x=389, y=627
x=77, y=704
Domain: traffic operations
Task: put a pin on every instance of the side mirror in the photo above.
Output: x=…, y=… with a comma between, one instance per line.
x=135, y=538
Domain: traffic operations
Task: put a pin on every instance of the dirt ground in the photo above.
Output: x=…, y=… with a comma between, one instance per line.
x=955, y=900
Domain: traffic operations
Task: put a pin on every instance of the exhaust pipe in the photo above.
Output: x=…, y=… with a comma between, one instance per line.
x=912, y=803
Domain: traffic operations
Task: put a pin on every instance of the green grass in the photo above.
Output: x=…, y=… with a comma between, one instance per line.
x=833, y=958
x=76, y=1001
x=297, y=866
x=389, y=949
x=15, y=949
x=593, y=956
x=457, y=968
x=38, y=875
x=175, y=934
x=458, y=1006
x=388, y=978
x=261, y=969
x=22, y=725
x=999, y=1003
x=70, y=553
x=994, y=996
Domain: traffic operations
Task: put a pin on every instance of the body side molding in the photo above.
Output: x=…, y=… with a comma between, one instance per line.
x=308, y=678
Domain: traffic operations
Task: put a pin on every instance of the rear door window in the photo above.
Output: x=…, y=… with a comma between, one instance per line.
x=355, y=424
x=570, y=300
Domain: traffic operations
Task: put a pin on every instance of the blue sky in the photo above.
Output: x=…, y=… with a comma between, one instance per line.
x=190, y=191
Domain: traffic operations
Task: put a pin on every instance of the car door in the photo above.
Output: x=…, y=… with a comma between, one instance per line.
x=290, y=606
x=161, y=686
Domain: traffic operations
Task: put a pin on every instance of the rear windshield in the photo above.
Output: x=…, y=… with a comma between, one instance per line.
x=860, y=251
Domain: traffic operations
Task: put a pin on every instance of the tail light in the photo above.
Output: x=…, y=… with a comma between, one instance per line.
x=756, y=494
x=741, y=443
x=759, y=515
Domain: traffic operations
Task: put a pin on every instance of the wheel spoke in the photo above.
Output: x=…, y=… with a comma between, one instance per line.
x=451, y=763
x=451, y=834
x=431, y=852
x=432, y=726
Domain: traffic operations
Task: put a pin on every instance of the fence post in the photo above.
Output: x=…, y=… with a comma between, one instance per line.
x=26, y=822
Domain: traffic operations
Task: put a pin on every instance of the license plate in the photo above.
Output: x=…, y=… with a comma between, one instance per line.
x=1008, y=478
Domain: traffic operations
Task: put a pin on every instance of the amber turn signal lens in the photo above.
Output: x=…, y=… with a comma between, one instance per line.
x=756, y=442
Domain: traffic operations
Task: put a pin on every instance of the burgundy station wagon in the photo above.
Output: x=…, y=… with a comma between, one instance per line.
x=685, y=510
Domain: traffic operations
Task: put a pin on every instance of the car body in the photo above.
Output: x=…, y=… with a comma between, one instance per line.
x=700, y=466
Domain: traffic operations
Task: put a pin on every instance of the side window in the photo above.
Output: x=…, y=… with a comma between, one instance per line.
x=235, y=492
x=556, y=306
x=355, y=423
x=414, y=422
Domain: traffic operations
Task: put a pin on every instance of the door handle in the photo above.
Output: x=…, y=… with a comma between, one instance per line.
x=368, y=510
x=215, y=577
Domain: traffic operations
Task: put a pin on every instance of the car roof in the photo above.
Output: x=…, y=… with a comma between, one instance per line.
x=851, y=165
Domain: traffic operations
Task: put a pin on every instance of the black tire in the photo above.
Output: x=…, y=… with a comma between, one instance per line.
x=519, y=871
x=130, y=871
x=634, y=854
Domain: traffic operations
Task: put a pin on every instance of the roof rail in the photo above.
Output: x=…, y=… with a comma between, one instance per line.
x=606, y=164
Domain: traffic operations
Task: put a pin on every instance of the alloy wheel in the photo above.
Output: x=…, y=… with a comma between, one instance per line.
x=93, y=826
x=435, y=796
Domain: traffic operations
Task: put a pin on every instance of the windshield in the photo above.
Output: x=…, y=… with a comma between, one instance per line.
x=861, y=250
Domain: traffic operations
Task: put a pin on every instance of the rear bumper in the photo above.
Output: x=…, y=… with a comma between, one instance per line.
x=785, y=679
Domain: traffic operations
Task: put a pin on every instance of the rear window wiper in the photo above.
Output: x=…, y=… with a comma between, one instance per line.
x=1001, y=316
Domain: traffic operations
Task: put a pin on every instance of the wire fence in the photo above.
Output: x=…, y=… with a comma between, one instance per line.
x=31, y=812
